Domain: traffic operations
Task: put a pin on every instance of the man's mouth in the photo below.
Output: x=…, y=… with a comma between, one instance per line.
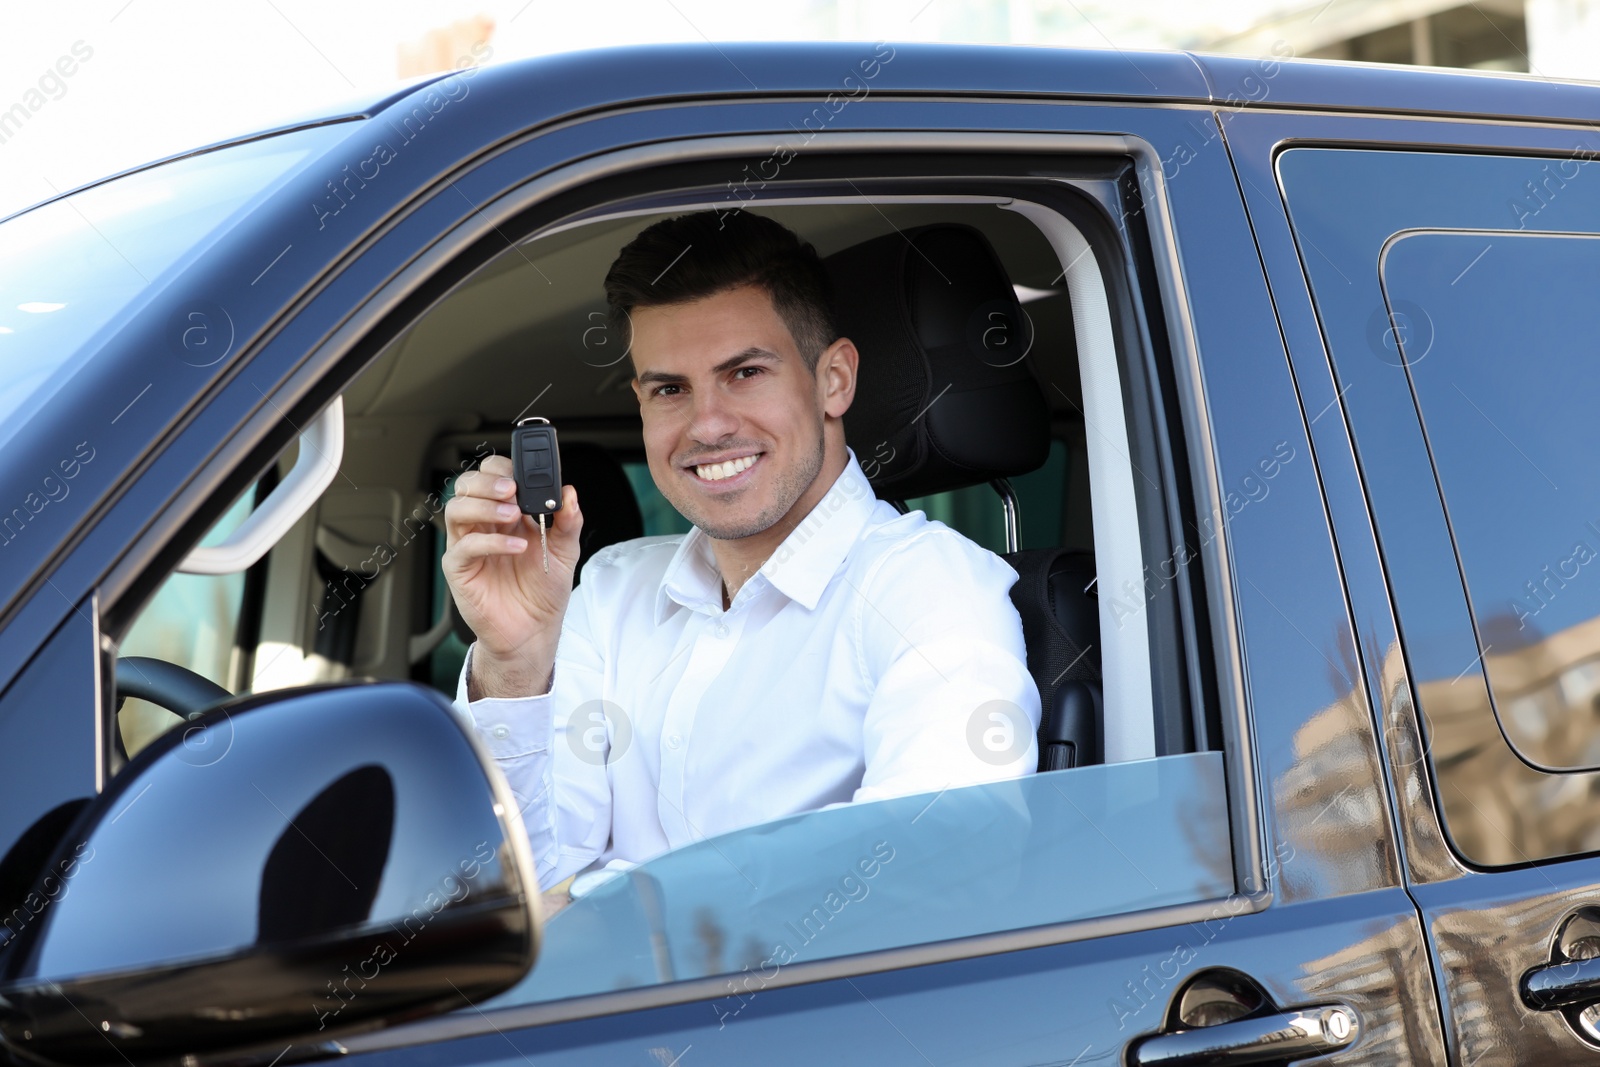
x=722, y=470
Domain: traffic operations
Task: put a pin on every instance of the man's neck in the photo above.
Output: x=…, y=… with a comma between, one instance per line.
x=738, y=559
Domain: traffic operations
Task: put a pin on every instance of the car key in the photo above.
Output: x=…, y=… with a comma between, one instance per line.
x=536, y=461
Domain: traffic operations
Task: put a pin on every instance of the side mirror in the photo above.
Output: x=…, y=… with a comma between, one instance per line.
x=287, y=867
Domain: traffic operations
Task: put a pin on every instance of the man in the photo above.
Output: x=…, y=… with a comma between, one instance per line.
x=804, y=645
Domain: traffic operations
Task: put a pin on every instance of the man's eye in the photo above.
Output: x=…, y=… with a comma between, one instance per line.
x=662, y=390
x=750, y=370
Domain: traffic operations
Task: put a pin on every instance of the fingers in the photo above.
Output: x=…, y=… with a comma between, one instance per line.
x=569, y=520
x=470, y=510
x=484, y=497
x=488, y=484
x=492, y=480
x=475, y=546
x=498, y=466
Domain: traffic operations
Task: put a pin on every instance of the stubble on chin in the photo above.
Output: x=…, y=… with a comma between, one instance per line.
x=792, y=485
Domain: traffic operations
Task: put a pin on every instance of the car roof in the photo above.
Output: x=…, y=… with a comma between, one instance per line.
x=600, y=77
x=610, y=76
x=1326, y=84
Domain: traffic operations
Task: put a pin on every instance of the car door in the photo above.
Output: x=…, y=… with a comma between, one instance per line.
x=1250, y=881
x=1329, y=911
x=1450, y=271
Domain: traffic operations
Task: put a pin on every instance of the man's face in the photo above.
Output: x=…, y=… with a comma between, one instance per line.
x=733, y=417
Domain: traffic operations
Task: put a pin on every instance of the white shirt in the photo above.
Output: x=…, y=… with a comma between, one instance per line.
x=873, y=655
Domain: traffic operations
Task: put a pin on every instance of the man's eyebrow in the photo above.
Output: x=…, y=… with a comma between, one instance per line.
x=765, y=355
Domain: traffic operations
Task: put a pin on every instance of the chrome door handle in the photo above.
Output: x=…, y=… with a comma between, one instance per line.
x=1272, y=1037
x=1568, y=984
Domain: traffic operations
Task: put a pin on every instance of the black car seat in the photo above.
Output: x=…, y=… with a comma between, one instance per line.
x=945, y=401
x=610, y=510
x=1056, y=596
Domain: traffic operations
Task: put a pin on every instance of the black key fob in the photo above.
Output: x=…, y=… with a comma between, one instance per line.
x=536, y=466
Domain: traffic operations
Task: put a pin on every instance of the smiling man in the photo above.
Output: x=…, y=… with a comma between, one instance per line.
x=804, y=645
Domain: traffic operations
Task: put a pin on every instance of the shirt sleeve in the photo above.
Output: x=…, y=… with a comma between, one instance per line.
x=941, y=645
x=553, y=749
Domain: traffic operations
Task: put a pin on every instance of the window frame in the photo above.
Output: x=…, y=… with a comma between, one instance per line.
x=461, y=248
x=1129, y=400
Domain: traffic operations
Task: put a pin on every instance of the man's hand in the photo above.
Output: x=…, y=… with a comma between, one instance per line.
x=553, y=900
x=496, y=574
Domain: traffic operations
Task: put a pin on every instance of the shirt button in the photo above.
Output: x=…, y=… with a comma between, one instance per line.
x=722, y=629
x=674, y=740
x=501, y=732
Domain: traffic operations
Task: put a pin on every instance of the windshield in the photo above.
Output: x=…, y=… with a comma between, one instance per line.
x=71, y=266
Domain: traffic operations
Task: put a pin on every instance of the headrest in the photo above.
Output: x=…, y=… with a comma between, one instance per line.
x=944, y=398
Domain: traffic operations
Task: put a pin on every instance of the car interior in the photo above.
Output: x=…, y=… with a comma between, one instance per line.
x=995, y=394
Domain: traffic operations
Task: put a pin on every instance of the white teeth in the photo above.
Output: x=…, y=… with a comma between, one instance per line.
x=715, y=472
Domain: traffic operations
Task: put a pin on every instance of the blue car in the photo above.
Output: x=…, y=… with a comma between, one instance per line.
x=1274, y=381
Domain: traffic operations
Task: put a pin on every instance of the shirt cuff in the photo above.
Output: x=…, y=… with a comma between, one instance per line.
x=510, y=727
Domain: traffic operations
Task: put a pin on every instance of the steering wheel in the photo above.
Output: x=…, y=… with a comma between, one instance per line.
x=166, y=685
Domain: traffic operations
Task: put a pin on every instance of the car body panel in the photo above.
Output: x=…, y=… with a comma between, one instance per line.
x=1081, y=1002
x=1487, y=927
x=51, y=713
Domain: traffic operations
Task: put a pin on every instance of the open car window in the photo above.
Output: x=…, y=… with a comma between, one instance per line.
x=1138, y=821
x=1147, y=828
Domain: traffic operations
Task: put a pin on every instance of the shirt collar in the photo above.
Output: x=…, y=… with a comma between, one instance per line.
x=801, y=567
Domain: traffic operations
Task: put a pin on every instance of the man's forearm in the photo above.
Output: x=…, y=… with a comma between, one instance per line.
x=510, y=678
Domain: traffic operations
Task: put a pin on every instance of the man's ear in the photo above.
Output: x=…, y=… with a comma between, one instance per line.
x=836, y=376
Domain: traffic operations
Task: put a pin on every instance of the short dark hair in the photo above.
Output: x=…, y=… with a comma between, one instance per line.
x=690, y=257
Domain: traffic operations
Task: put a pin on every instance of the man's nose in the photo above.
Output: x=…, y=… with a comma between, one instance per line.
x=713, y=417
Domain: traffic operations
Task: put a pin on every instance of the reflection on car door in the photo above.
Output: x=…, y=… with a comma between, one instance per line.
x=1454, y=292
